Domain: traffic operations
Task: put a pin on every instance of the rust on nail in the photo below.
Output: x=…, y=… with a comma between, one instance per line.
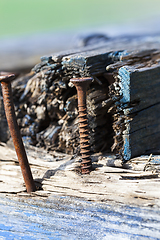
x=5, y=79
x=81, y=85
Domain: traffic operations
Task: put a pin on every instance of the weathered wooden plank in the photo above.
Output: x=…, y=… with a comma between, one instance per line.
x=140, y=86
x=139, y=176
x=139, y=103
x=46, y=105
x=104, y=184
x=124, y=96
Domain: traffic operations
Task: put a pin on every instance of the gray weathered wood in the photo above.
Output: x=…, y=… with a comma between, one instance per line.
x=126, y=76
x=57, y=175
x=139, y=110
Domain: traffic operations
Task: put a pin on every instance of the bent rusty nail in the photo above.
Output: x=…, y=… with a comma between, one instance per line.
x=81, y=85
x=5, y=79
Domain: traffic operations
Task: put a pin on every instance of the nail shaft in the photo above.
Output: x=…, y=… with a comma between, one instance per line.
x=15, y=132
x=81, y=85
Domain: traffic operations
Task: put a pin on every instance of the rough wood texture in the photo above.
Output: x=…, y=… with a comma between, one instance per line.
x=143, y=130
x=46, y=103
x=136, y=182
x=136, y=118
x=52, y=104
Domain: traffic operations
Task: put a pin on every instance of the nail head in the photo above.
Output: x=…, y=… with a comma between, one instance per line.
x=6, y=76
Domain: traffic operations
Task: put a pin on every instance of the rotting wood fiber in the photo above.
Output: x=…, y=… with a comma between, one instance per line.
x=118, y=101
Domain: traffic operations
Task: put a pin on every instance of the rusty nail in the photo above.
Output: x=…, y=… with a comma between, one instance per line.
x=5, y=79
x=81, y=85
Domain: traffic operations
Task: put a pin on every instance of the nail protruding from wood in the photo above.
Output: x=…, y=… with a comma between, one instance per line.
x=81, y=85
x=5, y=80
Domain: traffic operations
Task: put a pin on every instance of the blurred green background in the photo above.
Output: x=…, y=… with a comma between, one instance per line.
x=32, y=16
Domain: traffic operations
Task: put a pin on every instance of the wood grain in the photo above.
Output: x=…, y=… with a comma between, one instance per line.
x=57, y=176
x=123, y=100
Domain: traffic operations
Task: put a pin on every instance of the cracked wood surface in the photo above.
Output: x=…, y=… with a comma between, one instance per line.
x=139, y=110
x=48, y=102
x=58, y=174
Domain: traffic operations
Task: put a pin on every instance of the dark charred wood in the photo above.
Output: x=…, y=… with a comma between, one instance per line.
x=122, y=101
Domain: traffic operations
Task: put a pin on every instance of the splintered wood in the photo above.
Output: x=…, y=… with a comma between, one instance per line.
x=56, y=174
x=123, y=101
x=136, y=118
